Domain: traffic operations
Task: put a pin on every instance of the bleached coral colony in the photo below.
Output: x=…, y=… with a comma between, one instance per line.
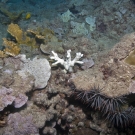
x=68, y=63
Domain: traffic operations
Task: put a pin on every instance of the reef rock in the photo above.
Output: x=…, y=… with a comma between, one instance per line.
x=113, y=75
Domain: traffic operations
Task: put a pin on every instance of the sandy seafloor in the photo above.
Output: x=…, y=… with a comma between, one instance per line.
x=57, y=108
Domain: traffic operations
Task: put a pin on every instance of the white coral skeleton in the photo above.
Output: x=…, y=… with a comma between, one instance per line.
x=68, y=63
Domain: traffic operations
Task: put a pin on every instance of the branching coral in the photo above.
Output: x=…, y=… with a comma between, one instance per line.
x=68, y=64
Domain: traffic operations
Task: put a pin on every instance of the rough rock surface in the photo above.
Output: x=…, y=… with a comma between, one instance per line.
x=112, y=75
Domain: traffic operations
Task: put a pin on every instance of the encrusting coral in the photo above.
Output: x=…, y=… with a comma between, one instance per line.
x=20, y=125
x=15, y=95
x=39, y=68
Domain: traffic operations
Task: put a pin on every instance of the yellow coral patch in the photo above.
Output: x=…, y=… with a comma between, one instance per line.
x=20, y=36
x=15, y=31
x=11, y=48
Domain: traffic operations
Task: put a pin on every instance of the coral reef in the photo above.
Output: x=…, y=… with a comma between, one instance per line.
x=46, y=36
x=102, y=100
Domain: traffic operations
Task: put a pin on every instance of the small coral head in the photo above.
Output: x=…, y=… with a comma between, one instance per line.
x=68, y=63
